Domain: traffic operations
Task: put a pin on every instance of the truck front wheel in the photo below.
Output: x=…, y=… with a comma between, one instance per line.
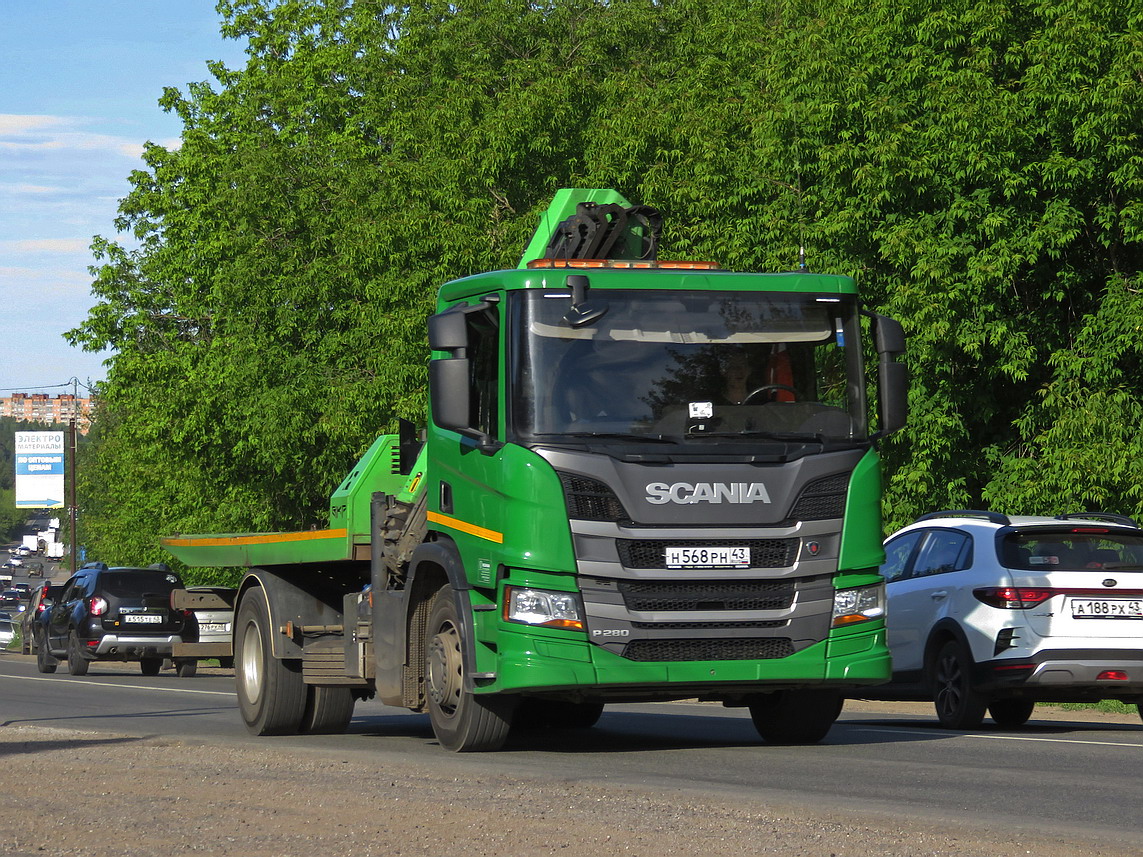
x=462, y=721
x=271, y=694
x=795, y=716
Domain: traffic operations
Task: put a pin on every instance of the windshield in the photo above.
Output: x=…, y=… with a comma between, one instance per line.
x=688, y=367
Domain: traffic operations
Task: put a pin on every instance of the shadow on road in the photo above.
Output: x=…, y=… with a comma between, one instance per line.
x=13, y=748
x=642, y=731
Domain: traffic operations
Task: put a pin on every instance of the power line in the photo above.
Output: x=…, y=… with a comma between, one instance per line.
x=73, y=382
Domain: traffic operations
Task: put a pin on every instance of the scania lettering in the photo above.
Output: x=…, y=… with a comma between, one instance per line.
x=639, y=480
x=707, y=492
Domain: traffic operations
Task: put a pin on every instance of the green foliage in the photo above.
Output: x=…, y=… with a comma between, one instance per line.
x=976, y=163
x=1111, y=706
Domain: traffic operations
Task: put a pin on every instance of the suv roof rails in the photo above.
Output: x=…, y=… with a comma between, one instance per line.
x=98, y=566
x=991, y=517
x=1122, y=520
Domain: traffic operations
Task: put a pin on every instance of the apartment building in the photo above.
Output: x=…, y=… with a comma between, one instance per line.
x=42, y=408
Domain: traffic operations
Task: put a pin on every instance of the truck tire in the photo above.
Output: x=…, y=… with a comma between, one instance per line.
x=795, y=716
x=185, y=667
x=76, y=662
x=271, y=694
x=328, y=710
x=461, y=720
x=150, y=666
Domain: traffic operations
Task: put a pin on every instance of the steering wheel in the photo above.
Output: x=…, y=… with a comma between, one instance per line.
x=768, y=388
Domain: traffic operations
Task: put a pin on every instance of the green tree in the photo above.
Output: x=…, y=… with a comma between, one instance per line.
x=975, y=163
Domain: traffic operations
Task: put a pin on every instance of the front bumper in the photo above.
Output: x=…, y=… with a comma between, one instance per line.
x=533, y=662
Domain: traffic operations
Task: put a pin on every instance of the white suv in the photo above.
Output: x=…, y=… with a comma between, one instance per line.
x=997, y=613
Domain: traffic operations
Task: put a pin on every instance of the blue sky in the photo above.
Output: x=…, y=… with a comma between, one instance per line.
x=79, y=87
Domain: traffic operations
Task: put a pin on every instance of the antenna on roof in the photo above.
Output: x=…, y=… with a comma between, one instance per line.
x=802, y=266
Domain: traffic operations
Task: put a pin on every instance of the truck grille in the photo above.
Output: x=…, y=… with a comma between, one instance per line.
x=591, y=500
x=822, y=499
x=651, y=553
x=706, y=595
x=733, y=649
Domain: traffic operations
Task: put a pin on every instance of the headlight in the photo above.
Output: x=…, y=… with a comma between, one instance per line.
x=543, y=607
x=858, y=605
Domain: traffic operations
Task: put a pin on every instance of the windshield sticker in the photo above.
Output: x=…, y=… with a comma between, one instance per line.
x=700, y=410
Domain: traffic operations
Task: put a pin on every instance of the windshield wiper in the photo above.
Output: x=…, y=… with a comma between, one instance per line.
x=786, y=437
x=612, y=435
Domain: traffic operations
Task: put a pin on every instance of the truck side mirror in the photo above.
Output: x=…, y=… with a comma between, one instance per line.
x=892, y=375
x=449, y=393
x=447, y=331
x=450, y=378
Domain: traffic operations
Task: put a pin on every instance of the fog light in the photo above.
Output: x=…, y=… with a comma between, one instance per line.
x=1112, y=675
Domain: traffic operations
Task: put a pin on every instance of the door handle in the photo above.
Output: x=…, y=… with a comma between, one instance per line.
x=940, y=593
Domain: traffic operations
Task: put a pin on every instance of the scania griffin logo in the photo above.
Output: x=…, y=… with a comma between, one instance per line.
x=707, y=492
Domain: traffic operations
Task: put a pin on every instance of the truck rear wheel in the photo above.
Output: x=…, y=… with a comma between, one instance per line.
x=328, y=710
x=271, y=694
x=462, y=721
x=795, y=716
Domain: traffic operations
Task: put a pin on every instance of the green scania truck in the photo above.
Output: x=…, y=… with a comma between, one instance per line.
x=640, y=480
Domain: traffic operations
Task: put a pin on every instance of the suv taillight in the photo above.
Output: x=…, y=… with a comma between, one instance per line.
x=98, y=606
x=1013, y=597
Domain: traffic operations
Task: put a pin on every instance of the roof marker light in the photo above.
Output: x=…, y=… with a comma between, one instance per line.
x=622, y=263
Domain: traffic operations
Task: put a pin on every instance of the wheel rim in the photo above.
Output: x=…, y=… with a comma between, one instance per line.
x=250, y=668
x=950, y=689
x=445, y=669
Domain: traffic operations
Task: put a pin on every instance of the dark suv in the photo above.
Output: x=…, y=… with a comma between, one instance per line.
x=33, y=623
x=115, y=614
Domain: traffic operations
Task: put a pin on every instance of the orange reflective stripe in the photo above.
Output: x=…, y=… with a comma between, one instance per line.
x=465, y=527
x=254, y=539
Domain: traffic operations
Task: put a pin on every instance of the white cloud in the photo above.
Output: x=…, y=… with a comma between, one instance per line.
x=15, y=123
x=33, y=133
x=30, y=189
x=46, y=245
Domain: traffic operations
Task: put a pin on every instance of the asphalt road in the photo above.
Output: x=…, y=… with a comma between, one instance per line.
x=1077, y=779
